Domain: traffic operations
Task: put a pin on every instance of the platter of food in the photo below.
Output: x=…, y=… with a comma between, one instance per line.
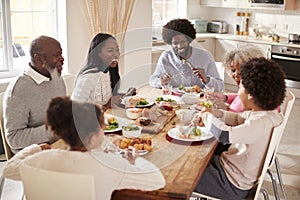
x=168, y=98
x=114, y=123
x=111, y=124
x=141, y=145
x=187, y=89
x=193, y=134
x=136, y=101
x=198, y=106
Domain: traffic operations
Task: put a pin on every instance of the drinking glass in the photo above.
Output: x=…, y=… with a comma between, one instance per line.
x=167, y=89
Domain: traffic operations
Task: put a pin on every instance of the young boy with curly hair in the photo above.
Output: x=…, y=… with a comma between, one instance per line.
x=261, y=90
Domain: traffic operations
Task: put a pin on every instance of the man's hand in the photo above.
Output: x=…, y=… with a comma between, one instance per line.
x=200, y=73
x=165, y=78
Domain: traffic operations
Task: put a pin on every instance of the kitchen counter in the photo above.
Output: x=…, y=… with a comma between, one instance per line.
x=283, y=41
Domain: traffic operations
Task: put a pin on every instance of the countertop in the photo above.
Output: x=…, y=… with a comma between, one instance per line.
x=282, y=41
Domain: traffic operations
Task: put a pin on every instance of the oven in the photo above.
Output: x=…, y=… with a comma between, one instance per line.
x=289, y=59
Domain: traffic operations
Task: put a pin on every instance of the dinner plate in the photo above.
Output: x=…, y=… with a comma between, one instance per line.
x=174, y=133
x=185, y=90
x=115, y=139
x=150, y=103
x=126, y=99
x=166, y=97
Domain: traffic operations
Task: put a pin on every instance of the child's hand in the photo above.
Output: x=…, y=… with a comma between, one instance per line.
x=130, y=155
x=45, y=146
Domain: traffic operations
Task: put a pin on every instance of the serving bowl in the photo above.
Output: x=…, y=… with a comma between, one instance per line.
x=131, y=131
x=134, y=113
x=190, y=98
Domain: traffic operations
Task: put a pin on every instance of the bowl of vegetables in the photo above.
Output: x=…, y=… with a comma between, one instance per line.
x=131, y=131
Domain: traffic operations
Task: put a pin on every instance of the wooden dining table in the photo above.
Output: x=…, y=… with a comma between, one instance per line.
x=182, y=163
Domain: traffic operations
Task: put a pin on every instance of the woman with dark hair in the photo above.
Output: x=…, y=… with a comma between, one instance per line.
x=80, y=126
x=99, y=79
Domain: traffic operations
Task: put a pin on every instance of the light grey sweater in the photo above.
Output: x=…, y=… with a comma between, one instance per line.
x=25, y=103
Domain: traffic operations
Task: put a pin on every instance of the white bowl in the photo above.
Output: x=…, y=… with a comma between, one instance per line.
x=134, y=113
x=190, y=98
x=131, y=133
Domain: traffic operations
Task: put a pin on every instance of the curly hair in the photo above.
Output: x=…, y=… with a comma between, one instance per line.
x=177, y=27
x=72, y=121
x=241, y=54
x=264, y=80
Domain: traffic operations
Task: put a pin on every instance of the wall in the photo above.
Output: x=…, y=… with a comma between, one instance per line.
x=134, y=67
x=282, y=22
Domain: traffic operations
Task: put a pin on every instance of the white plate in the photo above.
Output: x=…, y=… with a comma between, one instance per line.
x=174, y=133
x=121, y=122
x=175, y=98
x=150, y=101
x=114, y=137
x=177, y=90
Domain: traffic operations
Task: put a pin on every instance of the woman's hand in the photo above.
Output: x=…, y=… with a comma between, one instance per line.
x=219, y=100
x=116, y=100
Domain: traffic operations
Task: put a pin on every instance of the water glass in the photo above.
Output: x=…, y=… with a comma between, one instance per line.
x=167, y=89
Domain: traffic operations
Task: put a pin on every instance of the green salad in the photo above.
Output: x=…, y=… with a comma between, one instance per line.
x=142, y=102
x=159, y=99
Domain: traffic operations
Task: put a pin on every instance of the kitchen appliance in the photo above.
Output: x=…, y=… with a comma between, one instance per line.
x=289, y=59
x=268, y=3
x=200, y=25
x=294, y=37
x=217, y=27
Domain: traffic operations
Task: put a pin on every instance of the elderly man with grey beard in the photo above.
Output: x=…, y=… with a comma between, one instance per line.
x=27, y=97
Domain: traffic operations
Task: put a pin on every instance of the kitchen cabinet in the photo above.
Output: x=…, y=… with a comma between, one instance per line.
x=206, y=43
x=288, y=4
x=212, y=3
x=226, y=3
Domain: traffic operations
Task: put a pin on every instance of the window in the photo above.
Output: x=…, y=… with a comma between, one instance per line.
x=21, y=22
x=165, y=10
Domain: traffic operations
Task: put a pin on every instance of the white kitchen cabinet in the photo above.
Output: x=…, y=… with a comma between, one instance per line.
x=226, y=3
x=206, y=43
x=288, y=4
x=212, y=3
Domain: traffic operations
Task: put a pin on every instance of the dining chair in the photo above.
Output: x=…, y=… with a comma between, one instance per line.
x=48, y=185
x=270, y=158
x=286, y=108
x=7, y=149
